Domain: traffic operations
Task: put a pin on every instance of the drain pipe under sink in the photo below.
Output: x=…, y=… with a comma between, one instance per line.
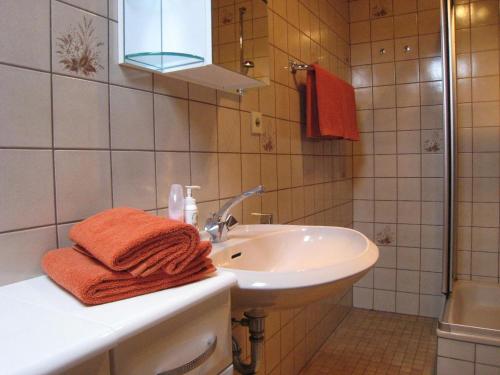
x=255, y=321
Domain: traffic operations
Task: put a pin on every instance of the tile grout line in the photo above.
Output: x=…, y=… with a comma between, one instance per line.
x=109, y=113
x=155, y=161
x=54, y=179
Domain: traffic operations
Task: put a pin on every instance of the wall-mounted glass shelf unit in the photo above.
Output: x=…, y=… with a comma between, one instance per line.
x=176, y=37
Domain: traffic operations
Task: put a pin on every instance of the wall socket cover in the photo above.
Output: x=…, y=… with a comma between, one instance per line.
x=257, y=125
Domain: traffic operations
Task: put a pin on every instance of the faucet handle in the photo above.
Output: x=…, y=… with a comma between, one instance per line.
x=231, y=222
x=215, y=216
x=265, y=218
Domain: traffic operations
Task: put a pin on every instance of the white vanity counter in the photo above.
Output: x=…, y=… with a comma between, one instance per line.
x=44, y=329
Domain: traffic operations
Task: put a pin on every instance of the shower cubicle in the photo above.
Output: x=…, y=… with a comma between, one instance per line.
x=470, y=32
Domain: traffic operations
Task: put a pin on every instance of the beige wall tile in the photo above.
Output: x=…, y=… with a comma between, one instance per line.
x=405, y=25
x=202, y=127
x=462, y=16
x=202, y=94
x=29, y=23
x=486, y=114
x=81, y=196
x=485, y=89
x=383, y=74
x=408, y=118
x=431, y=93
x=250, y=170
x=284, y=171
x=131, y=118
x=385, y=119
x=205, y=173
x=385, y=143
x=360, y=32
x=365, y=144
x=430, y=69
x=464, y=65
x=385, y=166
x=384, y=97
x=170, y=86
x=407, y=71
x=25, y=113
x=429, y=45
x=26, y=186
x=362, y=76
x=405, y=6
x=384, y=300
x=361, y=54
x=382, y=28
x=171, y=123
x=487, y=354
x=484, y=38
x=448, y=366
x=428, y=21
x=22, y=253
x=364, y=98
x=228, y=132
x=484, y=264
x=386, y=189
x=408, y=142
x=133, y=174
x=81, y=113
x=171, y=168
x=385, y=212
x=408, y=95
x=484, y=13
x=229, y=175
x=359, y=10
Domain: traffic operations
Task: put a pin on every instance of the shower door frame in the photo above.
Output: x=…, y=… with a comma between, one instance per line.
x=450, y=142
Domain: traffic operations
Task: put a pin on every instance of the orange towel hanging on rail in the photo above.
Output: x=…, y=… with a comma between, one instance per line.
x=330, y=106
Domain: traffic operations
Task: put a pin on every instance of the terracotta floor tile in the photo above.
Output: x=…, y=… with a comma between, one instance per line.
x=378, y=343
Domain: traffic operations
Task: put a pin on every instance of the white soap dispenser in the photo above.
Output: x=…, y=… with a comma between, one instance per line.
x=190, y=208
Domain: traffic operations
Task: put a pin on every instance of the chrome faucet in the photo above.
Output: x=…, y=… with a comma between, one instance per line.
x=222, y=222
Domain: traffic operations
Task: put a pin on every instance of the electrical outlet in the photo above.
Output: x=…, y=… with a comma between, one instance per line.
x=257, y=125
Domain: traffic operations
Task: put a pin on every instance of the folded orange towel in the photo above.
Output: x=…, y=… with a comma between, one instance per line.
x=330, y=106
x=127, y=239
x=93, y=283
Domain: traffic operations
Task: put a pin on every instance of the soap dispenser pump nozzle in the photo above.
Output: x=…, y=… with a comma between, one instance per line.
x=189, y=190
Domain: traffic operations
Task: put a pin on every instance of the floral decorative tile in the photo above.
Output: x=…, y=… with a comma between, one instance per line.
x=432, y=141
x=385, y=236
x=79, y=43
x=227, y=15
x=380, y=8
x=268, y=139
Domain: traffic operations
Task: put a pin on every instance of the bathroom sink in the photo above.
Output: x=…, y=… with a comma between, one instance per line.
x=286, y=266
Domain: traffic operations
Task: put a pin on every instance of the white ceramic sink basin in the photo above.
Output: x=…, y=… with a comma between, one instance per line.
x=284, y=266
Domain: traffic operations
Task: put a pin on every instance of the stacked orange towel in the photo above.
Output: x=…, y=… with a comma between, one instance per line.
x=124, y=252
x=127, y=239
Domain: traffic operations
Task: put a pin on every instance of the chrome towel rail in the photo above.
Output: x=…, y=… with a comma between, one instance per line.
x=295, y=66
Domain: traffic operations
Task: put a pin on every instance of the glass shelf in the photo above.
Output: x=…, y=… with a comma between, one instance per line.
x=161, y=61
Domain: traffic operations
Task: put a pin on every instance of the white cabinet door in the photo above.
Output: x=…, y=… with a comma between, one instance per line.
x=200, y=336
x=96, y=366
